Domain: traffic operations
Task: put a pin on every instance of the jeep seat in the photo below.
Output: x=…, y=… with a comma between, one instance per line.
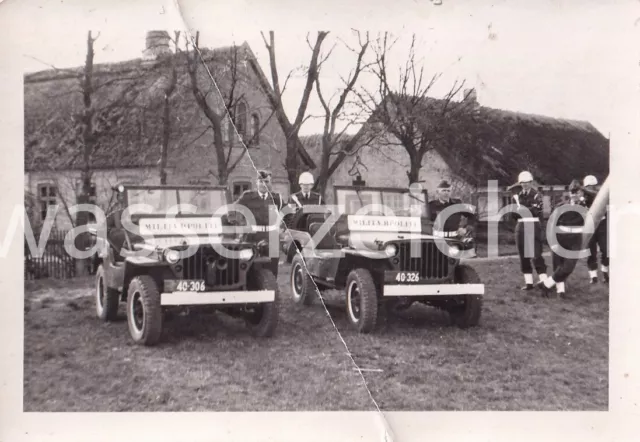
x=328, y=242
x=313, y=218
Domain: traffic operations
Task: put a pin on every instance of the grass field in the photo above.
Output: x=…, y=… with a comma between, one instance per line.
x=528, y=353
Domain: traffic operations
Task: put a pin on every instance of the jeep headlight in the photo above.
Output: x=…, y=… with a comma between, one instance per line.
x=172, y=256
x=454, y=251
x=391, y=250
x=246, y=254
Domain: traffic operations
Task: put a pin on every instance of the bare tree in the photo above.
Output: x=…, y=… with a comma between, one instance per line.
x=336, y=144
x=218, y=110
x=275, y=93
x=413, y=120
x=166, y=114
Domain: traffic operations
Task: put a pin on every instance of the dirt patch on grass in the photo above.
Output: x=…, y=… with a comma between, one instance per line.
x=528, y=353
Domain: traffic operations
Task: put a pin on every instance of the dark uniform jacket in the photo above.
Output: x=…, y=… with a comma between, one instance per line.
x=570, y=218
x=532, y=200
x=299, y=199
x=261, y=207
x=454, y=222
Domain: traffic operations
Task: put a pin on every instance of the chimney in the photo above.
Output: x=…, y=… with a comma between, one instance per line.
x=471, y=96
x=157, y=45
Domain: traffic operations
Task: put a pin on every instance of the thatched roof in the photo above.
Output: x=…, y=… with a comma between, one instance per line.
x=128, y=101
x=482, y=143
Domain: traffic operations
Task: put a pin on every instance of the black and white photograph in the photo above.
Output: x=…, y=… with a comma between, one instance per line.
x=264, y=207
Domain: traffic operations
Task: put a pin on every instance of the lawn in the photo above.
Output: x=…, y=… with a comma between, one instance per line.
x=528, y=353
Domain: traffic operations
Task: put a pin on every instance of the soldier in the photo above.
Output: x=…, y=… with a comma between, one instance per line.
x=599, y=238
x=265, y=206
x=455, y=226
x=529, y=198
x=569, y=228
x=306, y=196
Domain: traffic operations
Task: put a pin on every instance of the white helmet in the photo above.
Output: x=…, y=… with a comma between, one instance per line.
x=305, y=178
x=590, y=180
x=525, y=177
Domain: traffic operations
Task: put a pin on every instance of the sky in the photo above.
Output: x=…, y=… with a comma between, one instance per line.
x=565, y=59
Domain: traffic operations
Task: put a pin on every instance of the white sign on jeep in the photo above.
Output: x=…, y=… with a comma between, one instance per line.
x=180, y=226
x=384, y=223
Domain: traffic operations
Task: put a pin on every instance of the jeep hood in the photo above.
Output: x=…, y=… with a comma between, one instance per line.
x=371, y=238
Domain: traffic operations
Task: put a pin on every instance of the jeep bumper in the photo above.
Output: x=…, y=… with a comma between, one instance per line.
x=213, y=298
x=432, y=289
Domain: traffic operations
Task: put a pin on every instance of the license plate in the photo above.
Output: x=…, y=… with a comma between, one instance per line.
x=404, y=277
x=188, y=285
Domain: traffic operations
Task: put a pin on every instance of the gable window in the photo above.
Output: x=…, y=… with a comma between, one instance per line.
x=239, y=187
x=241, y=119
x=255, y=128
x=47, y=196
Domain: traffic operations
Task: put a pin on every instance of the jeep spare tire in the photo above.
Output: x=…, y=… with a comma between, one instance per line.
x=262, y=318
x=302, y=286
x=107, y=299
x=144, y=311
x=362, y=300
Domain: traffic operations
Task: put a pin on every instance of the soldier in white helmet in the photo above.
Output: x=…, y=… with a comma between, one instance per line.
x=529, y=202
x=305, y=196
x=599, y=237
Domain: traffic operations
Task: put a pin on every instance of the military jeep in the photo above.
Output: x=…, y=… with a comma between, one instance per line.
x=383, y=262
x=160, y=261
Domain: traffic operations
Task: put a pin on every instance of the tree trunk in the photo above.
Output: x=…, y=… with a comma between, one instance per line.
x=223, y=173
x=166, y=125
x=87, y=131
x=414, y=172
x=292, y=163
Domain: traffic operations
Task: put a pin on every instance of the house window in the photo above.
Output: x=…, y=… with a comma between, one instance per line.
x=255, y=128
x=239, y=187
x=47, y=196
x=241, y=119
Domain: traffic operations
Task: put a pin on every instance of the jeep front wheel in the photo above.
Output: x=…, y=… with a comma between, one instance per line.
x=107, y=299
x=466, y=312
x=144, y=311
x=302, y=285
x=362, y=300
x=262, y=318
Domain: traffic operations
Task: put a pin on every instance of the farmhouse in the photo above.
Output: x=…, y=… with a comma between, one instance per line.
x=128, y=98
x=486, y=144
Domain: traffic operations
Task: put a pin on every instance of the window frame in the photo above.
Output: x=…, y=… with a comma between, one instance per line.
x=48, y=199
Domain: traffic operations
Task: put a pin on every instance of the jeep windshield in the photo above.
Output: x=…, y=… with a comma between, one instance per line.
x=162, y=200
x=400, y=202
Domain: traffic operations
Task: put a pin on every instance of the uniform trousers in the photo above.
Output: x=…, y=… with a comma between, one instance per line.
x=599, y=240
x=534, y=238
x=564, y=266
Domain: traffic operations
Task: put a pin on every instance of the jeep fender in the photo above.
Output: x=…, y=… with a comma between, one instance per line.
x=142, y=265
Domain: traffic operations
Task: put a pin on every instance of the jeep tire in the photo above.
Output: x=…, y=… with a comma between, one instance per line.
x=302, y=286
x=466, y=314
x=362, y=300
x=107, y=299
x=144, y=311
x=262, y=321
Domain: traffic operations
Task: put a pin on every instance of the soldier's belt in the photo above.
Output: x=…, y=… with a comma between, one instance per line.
x=528, y=219
x=264, y=228
x=567, y=229
x=445, y=234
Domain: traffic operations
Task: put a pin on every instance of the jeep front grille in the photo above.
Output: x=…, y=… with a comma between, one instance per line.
x=430, y=262
x=215, y=270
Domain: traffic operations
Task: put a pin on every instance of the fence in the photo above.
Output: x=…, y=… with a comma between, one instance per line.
x=55, y=262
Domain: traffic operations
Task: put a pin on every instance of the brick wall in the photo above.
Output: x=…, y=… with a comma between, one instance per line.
x=383, y=165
